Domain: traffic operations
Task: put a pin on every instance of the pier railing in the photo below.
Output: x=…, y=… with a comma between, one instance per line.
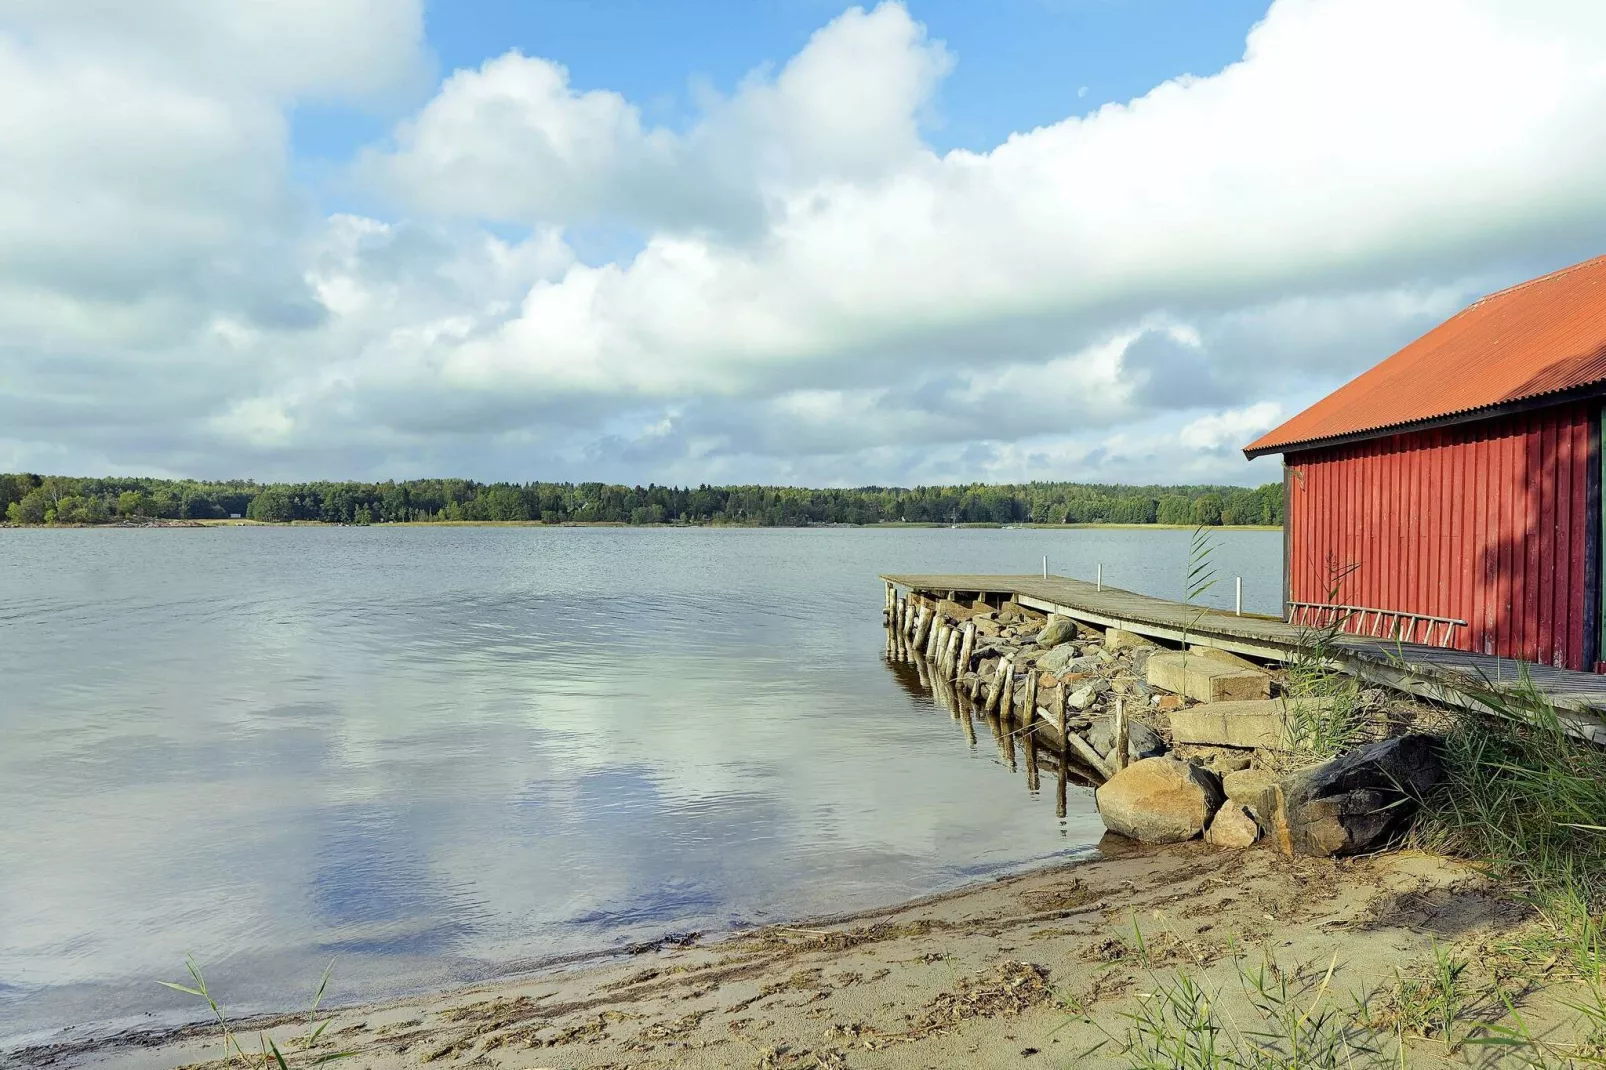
x=1394, y=624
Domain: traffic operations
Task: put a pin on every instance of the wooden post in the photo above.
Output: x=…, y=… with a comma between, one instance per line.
x=966, y=650
x=995, y=696
x=950, y=656
x=922, y=622
x=935, y=636
x=1059, y=709
x=1118, y=755
x=1061, y=782
x=1006, y=701
x=1031, y=700
x=1029, y=745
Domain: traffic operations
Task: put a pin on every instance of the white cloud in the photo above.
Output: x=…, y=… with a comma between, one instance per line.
x=816, y=293
x=304, y=49
x=1231, y=429
x=515, y=141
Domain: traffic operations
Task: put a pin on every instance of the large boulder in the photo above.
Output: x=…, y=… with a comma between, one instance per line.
x=1232, y=827
x=1205, y=679
x=1141, y=740
x=1063, y=666
x=1251, y=787
x=1059, y=629
x=1056, y=660
x=1159, y=800
x=1085, y=695
x=1360, y=800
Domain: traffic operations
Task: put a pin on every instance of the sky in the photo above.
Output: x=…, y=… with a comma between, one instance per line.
x=780, y=241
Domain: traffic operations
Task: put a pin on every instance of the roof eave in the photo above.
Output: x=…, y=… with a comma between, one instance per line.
x=1465, y=416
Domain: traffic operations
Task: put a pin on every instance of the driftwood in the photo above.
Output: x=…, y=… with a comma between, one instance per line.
x=1086, y=752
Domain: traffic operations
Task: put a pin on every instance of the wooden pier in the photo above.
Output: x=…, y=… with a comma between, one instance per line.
x=1456, y=677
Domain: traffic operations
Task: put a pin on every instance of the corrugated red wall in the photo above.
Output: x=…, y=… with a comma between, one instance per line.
x=1485, y=522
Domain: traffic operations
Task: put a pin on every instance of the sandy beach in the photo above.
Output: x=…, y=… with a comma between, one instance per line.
x=1040, y=969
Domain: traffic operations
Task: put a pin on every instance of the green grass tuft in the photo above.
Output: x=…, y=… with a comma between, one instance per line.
x=1526, y=798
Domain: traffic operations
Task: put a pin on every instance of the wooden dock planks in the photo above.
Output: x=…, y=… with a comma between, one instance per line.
x=1452, y=676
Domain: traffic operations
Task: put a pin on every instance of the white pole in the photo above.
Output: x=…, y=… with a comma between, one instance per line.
x=1045, y=566
x=1101, y=578
x=1240, y=609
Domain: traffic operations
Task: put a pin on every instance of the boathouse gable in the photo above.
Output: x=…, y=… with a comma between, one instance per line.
x=1452, y=493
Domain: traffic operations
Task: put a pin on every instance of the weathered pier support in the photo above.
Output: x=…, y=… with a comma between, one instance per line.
x=1162, y=735
x=1438, y=674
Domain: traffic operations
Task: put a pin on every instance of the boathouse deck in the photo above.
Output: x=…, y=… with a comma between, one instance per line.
x=1453, y=676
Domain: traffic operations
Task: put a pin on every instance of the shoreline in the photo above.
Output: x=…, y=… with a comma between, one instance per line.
x=890, y=525
x=1042, y=962
x=108, y=1036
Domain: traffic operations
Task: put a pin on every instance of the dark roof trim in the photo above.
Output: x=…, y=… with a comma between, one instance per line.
x=1468, y=416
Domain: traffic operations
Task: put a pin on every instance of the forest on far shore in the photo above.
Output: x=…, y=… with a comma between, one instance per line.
x=30, y=499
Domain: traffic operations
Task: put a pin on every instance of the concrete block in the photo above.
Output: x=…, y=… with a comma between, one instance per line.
x=1256, y=723
x=1205, y=679
x=1226, y=657
x=1121, y=639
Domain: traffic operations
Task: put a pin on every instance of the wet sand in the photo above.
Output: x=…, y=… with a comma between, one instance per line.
x=1030, y=970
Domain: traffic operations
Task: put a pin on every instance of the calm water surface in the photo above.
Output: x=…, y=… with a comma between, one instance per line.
x=434, y=754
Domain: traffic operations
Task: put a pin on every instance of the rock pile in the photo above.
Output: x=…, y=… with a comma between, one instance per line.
x=1181, y=743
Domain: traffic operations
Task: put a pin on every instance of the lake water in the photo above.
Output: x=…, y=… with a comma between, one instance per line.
x=437, y=754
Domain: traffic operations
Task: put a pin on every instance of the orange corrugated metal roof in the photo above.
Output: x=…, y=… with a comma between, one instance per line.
x=1539, y=337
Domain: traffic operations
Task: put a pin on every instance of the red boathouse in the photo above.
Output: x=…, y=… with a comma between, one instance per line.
x=1452, y=494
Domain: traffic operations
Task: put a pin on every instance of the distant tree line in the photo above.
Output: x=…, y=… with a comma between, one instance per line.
x=31, y=499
